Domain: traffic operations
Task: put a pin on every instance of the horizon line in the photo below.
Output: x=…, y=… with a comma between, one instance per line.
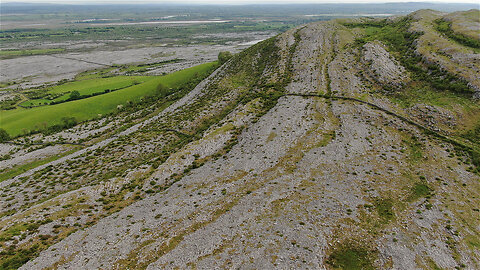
x=234, y=2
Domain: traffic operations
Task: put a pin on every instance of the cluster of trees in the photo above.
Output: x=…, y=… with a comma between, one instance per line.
x=9, y=104
x=36, y=94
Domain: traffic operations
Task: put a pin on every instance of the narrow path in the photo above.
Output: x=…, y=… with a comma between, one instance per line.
x=80, y=60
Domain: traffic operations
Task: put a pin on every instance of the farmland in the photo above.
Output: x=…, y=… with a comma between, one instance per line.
x=85, y=88
x=4, y=54
x=23, y=120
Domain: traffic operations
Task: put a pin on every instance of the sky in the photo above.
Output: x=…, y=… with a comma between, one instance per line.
x=236, y=2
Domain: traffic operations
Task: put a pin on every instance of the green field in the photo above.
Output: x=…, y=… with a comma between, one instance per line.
x=99, y=84
x=14, y=53
x=35, y=102
x=15, y=122
x=87, y=87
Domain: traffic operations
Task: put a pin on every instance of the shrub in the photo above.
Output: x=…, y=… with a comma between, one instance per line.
x=74, y=95
x=162, y=91
x=4, y=136
x=385, y=210
x=224, y=57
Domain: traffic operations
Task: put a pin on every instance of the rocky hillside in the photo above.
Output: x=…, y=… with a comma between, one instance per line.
x=347, y=144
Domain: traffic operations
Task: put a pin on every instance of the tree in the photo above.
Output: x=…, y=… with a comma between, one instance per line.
x=4, y=135
x=74, y=95
x=224, y=57
x=69, y=122
x=162, y=90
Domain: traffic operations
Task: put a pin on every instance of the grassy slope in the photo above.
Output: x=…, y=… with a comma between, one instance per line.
x=429, y=87
x=100, y=84
x=88, y=87
x=430, y=84
x=463, y=22
x=15, y=121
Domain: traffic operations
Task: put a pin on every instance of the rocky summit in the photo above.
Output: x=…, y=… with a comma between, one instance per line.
x=343, y=144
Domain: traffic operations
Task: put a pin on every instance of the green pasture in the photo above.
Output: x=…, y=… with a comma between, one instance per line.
x=15, y=122
x=99, y=84
x=88, y=87
x=14, y=53
x=35, y=102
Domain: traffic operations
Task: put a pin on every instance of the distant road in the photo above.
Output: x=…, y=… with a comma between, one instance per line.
x=81, y=60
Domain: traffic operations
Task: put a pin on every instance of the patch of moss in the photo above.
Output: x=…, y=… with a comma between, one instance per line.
x=351, y=258
x=415, y=152
x=420, y=190
x=271, y=136
x=432, y=264
x=327, y=138
x=384, y=209
x=473, y=242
